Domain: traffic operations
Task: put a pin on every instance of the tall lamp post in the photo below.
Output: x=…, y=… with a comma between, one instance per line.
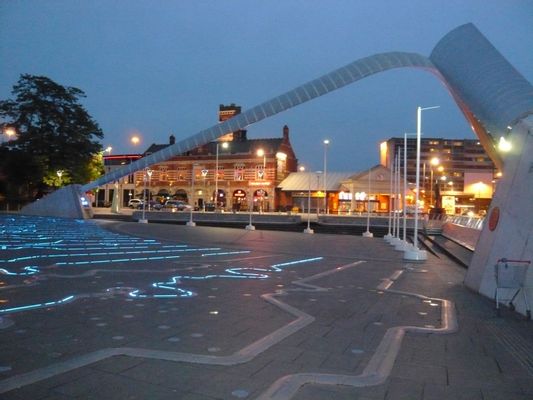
x=367, y=233
x=414, y=253
x=190, y=222
x=149, y=172
x=433, y=163
x=308, y=230
x=224, y=146
x=326, y=144
x=143, y=219
x=59, y=173
x=261, y=153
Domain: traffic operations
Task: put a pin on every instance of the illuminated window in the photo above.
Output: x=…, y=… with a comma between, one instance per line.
x=238, y=174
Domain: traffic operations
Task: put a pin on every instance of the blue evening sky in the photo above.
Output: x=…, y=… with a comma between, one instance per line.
x=161, y=67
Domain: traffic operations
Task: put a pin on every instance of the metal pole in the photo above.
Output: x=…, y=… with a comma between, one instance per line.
x=405, y=188
x=190, y=222
x=326, y=143
x=388, y=236
x=309, y=230
x=216, y=180
x=416, y=253
x=143, y=219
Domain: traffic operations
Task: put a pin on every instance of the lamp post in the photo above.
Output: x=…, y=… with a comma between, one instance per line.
x=149, y=172
x=143, y=219
x=326, y=144
x=261, y=153
x=250, y=226
x=59, y=173
x=190, y=222
x=433, y=163
x=415, y=254
x=308, y=230
x=368, y=234
x=317, y=189
x=388, y=237
x=403, y=245
x=224, y=146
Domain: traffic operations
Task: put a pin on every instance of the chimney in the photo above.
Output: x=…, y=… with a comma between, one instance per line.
x=172, y=139
x=285, y=133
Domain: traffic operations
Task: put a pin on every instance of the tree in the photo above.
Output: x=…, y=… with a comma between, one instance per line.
x=53, y=132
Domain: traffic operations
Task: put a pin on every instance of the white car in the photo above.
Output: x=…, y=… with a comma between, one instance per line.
x=135, y=203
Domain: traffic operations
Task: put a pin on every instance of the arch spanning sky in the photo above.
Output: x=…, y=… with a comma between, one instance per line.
x=489, y=91
x=156, y=68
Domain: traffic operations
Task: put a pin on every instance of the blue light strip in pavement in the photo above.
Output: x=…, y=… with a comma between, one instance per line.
x=36, y=306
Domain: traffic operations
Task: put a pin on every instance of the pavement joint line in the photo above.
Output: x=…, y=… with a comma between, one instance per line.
x=243, y=355
x=380, y=365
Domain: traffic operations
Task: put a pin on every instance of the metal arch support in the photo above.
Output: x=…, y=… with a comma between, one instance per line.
x=490, y=92
x=327, y=83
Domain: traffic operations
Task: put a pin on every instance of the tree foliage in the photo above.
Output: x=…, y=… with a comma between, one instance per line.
x=53, y=132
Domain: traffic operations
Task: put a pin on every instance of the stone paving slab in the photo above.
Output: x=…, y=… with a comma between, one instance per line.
x=338, y=289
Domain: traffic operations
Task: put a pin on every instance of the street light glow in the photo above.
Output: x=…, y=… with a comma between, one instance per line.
x=135, y=140
x=504, y=145
x=434, y=161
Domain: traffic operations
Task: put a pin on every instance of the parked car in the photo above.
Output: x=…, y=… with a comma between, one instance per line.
x=176, y=205
x=135, y=203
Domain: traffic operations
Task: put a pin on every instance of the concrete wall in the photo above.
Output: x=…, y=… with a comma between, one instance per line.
x=65, y=202
x=509, y=236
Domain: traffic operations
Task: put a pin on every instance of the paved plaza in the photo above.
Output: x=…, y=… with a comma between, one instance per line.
x=121, y=310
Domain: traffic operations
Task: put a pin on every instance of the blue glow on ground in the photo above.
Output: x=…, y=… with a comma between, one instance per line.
x=36, y=306
x=84, y=243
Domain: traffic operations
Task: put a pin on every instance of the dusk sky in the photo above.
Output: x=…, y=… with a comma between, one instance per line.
x=157, y=68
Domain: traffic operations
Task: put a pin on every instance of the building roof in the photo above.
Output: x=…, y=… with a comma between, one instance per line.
x=246, y=146
x=300, y=181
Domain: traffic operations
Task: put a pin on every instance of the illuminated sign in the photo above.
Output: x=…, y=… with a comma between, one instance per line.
x=255, y=183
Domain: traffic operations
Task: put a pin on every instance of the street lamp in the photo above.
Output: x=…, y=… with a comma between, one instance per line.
x=9, y=132
x=224, y=146
x=433, y=163
x=149, y=172
x=108, y=150
x=250, y=226
x=318, y=173
x=191, y=222
x=135, y=140
x=415, y=253
x=262, y=176
x=326, y=144
x=368, y=233
x=308, y=230
x=59, y=173
x=143, y=219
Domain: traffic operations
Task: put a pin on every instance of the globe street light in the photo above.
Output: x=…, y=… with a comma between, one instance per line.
x=224, y=146
x=326, y=144
x=59, y=173
x=415, y=253
x=135, y=140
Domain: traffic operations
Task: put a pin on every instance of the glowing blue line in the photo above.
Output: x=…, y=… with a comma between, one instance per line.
x=36, y=306
x=31, y=270
x=225, y=253
x=276, y=267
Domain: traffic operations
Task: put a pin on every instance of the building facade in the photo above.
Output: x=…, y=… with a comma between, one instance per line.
x=455, y=174
x=232, y=173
